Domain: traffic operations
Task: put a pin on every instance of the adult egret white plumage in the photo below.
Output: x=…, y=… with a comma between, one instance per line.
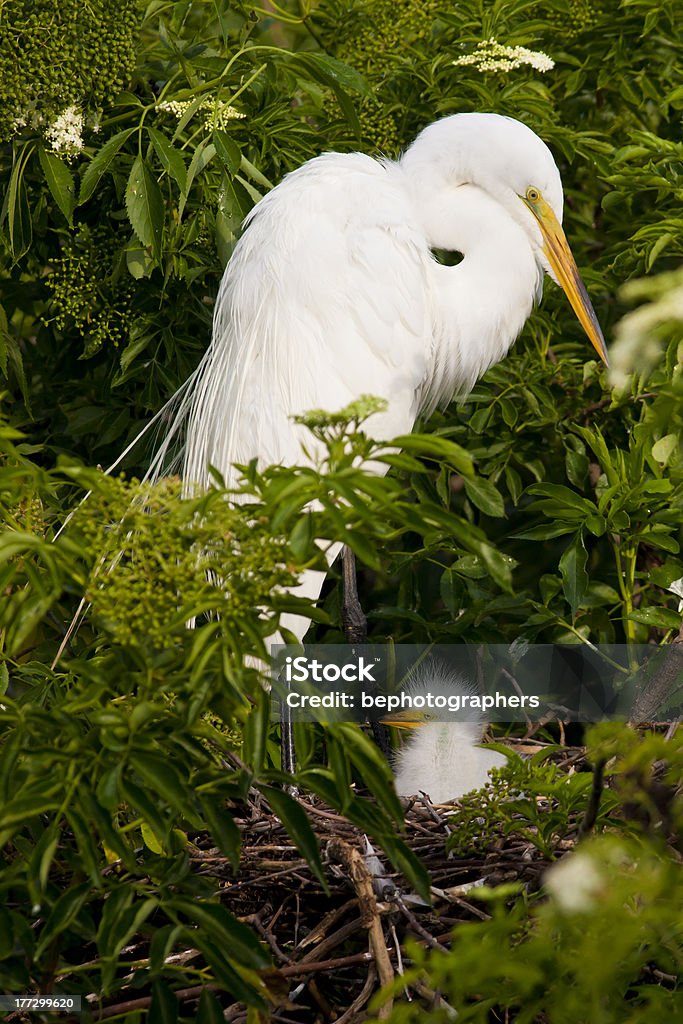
x=443, y=757
x=333, y=292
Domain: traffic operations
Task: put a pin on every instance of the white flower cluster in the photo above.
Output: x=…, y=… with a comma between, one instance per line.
x=490, y=55
x=65, y=134
x=216, y=116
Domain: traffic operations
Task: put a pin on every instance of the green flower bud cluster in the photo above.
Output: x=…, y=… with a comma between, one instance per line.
x=380, y=30
x=580, y=16
x=60, y=53
x=91, y=293
x=159, y=560
x=378, y=36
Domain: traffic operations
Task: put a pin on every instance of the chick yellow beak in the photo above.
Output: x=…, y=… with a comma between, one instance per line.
x=556, y=248
x=404, y=719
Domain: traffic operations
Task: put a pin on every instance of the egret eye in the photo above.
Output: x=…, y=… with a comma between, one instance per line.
x=533, y=195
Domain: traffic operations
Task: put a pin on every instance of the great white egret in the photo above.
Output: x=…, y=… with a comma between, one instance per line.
x=443, y=757
x=333, y=292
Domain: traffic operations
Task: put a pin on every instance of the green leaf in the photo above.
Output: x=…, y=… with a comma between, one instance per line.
x=100, y=163
x=164, y=1005
x=545, y=532
x=61, y=183
x=203, y=155
x=239, y=942
x=209, y=1010
x=596, y=524
x=593, y=437
x=573, y=572
x=662, y=618
x=514, y=483
x=22, y=809
x=138, y=261
x=563, y=496
x=576, y=465
x=228, y=151
x=136, y=797
x=333, y=72
x=243, y=985
x=295, y=820
x=224, y=831
x=663, y=449
x=451, y=590
x=62, y=914
x=440, y=449
x=255, y=733
x=145, y=207
x=485, y=496
x=162, y=945
x=664, y=575
x=171, y=159
x=16, y=206
x=164, y=779
x=500, y=566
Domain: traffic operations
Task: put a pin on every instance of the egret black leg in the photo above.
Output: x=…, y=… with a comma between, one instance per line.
x=287, y=748
x=353, y=617
x=356, y=632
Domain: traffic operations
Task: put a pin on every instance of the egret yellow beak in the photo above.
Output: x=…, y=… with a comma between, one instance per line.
x=404, y=719
x=556, y=248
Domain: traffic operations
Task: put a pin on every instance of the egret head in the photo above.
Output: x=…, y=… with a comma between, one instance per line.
x=509, y=162
x=434, y=693
x=442, y=756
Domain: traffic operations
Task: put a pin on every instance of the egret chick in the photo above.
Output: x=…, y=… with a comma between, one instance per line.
x=442, y=758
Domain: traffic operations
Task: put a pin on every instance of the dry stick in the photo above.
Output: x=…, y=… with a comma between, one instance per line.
x=352, y=859
x=320, y=930
x=313, y=967
x=417, y=927
x=362, y=997
x=329, y=943
x=185, y=994
x=267, y=935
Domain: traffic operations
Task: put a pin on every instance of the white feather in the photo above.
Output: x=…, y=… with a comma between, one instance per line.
x=332, y=292
x=443, y=758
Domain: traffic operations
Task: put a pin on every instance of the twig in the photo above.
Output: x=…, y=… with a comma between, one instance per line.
x=353, y=861
x=417, y=927
x=335, y=939
x=362, y=997
x=328, y=921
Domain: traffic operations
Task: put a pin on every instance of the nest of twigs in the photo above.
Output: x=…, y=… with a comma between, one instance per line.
x=333, y=950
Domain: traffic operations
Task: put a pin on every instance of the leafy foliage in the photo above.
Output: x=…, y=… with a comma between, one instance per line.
x=603, y=940
x=546, y=505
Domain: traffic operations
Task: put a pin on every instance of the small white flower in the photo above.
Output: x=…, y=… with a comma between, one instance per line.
x=65, y=134
x=574, y=883
x=174, y=107
x=219, y=113
x=490, y=55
